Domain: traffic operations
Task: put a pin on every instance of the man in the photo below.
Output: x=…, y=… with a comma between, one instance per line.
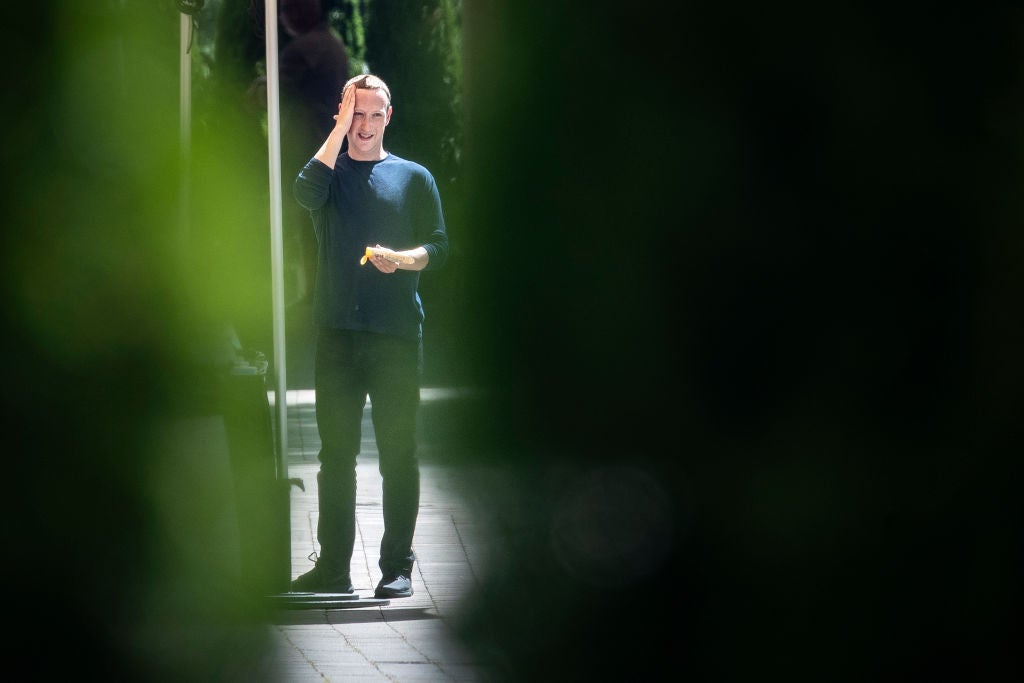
x=369, y=318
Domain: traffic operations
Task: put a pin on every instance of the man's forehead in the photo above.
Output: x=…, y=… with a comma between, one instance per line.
x=371, y=99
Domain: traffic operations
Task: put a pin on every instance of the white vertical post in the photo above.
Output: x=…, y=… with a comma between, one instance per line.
x=276, y=235
x=185, y=116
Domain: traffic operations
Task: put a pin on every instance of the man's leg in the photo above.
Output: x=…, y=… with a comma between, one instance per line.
x=340, y=399
x=394, y=397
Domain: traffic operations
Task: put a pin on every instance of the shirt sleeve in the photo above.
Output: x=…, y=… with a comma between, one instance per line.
x=435, y=237
x=313, y=184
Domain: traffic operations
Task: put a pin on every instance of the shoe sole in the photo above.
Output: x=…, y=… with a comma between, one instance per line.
x=392, y=594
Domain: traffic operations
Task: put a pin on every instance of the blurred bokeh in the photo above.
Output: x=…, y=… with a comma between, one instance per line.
x=745, y=286
x=736, y=290
x=120, y=524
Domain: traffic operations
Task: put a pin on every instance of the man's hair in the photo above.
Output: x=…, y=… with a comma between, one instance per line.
x=368, y=82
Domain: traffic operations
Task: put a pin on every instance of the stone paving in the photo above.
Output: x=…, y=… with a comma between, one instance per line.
x=409, y=639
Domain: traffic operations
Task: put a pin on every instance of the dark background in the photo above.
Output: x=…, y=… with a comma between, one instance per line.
x=760, y=261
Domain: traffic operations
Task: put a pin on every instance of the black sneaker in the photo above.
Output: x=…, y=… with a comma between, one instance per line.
x=317, y=580
x=399, y=586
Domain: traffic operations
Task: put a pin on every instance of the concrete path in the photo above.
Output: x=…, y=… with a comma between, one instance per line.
x=410, y=639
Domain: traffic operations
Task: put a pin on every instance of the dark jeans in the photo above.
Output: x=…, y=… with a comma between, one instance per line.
x=349, y=367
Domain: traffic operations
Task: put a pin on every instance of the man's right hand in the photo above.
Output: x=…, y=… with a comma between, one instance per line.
x=329, y=151
x=346, y=109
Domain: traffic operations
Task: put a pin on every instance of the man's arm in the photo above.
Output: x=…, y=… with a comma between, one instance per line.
x=329, y=151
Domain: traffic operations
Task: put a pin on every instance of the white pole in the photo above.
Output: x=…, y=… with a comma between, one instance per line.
x=276, y=238
x=185, y=115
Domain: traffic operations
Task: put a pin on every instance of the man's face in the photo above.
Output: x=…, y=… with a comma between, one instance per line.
x=371, y=116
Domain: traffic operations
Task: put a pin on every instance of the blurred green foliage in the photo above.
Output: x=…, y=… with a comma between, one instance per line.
x=346, y=18
x=113, y=323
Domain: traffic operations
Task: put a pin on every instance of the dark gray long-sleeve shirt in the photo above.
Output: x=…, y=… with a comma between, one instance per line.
x=392, y=202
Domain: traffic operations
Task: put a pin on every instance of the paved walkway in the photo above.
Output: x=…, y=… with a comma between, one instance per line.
x=410, y=639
